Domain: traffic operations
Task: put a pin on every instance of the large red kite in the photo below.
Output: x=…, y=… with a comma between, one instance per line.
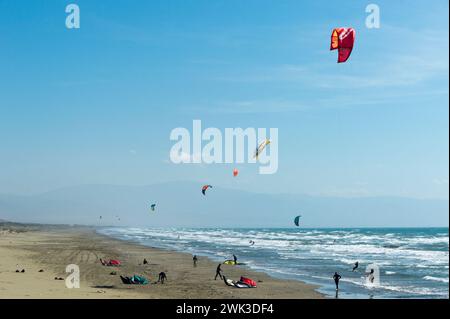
x=343, y=40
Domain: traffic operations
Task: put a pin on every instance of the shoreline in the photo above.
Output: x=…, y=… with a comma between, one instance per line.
x=214, y=259
x=52, y=248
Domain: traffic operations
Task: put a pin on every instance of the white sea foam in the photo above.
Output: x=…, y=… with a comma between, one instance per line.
x=436, y=279
x=309, y=252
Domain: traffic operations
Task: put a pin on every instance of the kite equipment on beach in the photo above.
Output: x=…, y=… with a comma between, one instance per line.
x=242, y=283
x=134, y=280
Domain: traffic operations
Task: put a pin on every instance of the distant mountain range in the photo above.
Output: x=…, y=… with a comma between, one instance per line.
x=182, y=204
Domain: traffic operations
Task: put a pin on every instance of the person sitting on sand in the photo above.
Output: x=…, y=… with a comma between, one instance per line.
x=162, y=276
x=356, y=266
x=336, y=278
x=145, y=262
x=194, y=259
x=218, y=272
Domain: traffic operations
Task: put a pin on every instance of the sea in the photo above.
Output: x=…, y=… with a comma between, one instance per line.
x=408, y=262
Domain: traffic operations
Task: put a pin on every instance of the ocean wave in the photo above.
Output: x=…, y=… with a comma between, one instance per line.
x=445, y=280
x=314, y=254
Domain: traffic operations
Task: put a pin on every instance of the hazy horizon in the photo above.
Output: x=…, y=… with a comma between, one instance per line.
x=121, y=205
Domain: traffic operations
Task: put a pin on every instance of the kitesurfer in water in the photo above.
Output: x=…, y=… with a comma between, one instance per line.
x=371, y=275
x=336, y=278
x=218, y=272
x=355, y=266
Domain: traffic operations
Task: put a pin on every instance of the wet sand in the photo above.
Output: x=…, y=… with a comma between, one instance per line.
x=53, y=248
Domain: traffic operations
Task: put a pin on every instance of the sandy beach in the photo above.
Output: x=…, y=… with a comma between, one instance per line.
x=51, y=249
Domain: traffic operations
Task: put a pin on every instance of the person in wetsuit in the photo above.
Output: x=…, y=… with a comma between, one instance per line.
x=218, y=272
x=355, y=266
x=371, y=276
x=194, y=259
x=235, y=259
x=162, y=276
x=336, y=278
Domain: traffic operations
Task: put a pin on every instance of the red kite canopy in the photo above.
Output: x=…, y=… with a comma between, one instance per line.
x=343, y=40
x=204, y=188
x=235, y=172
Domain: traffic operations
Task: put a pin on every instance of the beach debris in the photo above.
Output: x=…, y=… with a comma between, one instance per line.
x=41, y=270
x=261, y=147
x=205, y=187
x=59, y=278
x=343, y=40
x=235, y=172
x=113, y=273
x=297, y=220
x=22, y=271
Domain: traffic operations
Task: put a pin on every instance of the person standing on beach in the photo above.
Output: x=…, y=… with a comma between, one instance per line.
x=162, y=277
x=235, y=259
x=218, y=272
x=336, y=278
x=195, y=260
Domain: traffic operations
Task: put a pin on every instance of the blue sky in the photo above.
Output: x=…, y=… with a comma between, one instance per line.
x=96, y=105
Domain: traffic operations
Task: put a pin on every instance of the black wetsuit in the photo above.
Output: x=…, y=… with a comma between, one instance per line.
x=218, y=272
x=145, y=262
x=356, y=266
x=336, y=278
x=162, y=277
x=235, y=259
x=195, y=260
x=371, y=276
